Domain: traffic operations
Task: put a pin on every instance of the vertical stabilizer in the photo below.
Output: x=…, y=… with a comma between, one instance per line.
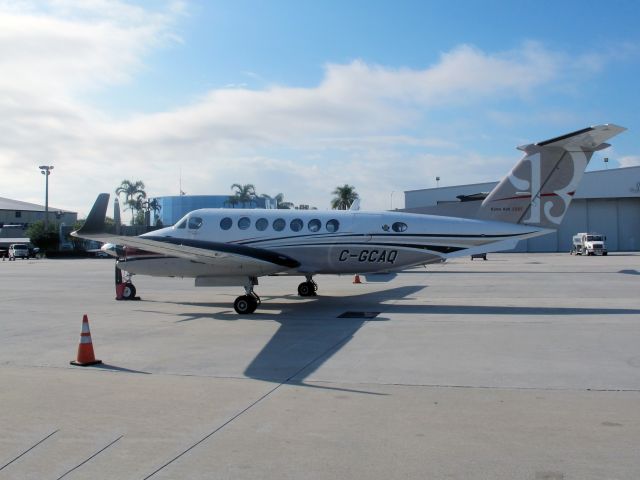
x=539, y=189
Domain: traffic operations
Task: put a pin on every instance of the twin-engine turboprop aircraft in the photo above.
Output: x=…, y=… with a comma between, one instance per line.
x=228, y=247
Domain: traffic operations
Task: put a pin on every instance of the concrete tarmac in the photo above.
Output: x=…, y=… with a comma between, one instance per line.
x=522, y=366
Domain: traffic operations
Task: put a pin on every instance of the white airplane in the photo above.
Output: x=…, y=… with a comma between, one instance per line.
x=233, y=247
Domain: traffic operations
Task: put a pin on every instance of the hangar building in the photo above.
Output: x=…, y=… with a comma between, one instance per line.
x=606, y=202
x=16, y=216
x=16, y=212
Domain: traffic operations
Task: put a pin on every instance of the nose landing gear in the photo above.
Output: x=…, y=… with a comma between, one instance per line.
x=247, y=303
x=125, y=290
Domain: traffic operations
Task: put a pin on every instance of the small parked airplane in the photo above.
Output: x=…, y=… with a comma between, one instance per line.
x=233, y=247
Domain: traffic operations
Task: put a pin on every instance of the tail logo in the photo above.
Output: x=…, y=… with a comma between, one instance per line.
x=561, y=181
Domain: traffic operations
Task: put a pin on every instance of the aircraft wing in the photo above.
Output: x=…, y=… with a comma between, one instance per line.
x=197, y=250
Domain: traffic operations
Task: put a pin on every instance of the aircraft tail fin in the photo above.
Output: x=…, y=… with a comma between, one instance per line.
x=539, y=188
x=94, y=224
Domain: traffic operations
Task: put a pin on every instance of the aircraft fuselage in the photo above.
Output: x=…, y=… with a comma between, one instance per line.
x=342, y=242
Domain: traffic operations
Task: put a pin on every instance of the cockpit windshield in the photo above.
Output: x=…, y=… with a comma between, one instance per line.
x=594, y=238
x=182, y=223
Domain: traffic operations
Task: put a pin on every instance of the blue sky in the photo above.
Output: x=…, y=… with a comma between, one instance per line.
x=298, y=97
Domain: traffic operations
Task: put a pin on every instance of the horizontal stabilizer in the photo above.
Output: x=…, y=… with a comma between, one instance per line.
x=590, y=139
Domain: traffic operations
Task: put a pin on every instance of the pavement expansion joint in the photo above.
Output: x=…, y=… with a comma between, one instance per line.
x=479, y=387
x=28, y=450
x=254, y=403
x=90, y=458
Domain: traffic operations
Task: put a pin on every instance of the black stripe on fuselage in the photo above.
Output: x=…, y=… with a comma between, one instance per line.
x=373, y=235
x=252, y=252
x=434, y=248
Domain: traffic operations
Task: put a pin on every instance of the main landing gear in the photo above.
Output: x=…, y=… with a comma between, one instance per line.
x=249, y=302
x=308, y=288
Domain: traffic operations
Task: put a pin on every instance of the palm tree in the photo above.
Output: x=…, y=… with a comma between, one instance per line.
x=279, y=199
x=231, y=202
x=133, y=194
x=151, y=205
x=244, y=193
x=344, y=197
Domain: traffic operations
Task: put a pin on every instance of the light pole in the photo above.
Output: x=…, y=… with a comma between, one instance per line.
x=437, y=182
x=606, y=163
x=46, y=171
x=392, y=198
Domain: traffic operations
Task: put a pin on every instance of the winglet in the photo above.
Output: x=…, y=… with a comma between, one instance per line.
x=95, y=220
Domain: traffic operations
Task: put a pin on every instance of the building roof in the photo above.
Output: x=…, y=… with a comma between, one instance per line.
x=10, y=204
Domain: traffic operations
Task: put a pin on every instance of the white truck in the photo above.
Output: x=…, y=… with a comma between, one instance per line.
x=18, y=250
x=589, y=244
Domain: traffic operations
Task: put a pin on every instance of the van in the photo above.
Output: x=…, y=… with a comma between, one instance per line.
x=18, y=250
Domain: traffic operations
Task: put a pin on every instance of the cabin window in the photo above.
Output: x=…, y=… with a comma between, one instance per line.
x=225, y=223
x=262, y=224
x=314, y=225
x=244, y=223
x=296, y=224
x=194, y=223
x=399, y=227
x=333, y=225
x=279, y=224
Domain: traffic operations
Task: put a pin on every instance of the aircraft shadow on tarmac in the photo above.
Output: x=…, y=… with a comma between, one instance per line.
x=309, y=334
x=630, y=272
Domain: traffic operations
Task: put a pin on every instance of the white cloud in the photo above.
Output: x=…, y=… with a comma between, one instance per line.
x=363, y=124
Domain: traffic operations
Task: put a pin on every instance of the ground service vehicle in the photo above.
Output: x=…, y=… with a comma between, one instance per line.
x=18, y=250
x=589, y=244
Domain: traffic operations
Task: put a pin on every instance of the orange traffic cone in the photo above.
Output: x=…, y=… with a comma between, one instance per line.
x=356, y=279
x=85, y=349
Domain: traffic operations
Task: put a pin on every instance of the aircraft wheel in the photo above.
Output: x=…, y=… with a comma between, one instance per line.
x=305, y=289
x=245, y=304
x=129, y=291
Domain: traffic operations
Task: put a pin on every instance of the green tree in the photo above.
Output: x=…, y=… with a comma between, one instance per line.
x=152, y=205
x=44, y=239
x=231, y=202
x=134, y=194
x=280, y=203
x=244, y=193
x=344, y=197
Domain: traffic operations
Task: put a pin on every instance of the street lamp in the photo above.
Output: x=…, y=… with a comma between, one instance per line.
x=437, y=182
x=46, y=171
x=606, y=163
x=392, y=198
